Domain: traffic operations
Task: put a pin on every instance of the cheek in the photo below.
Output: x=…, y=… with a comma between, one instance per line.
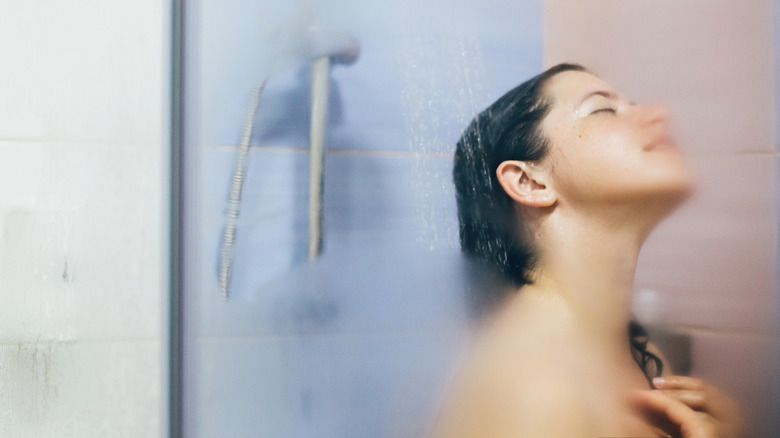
x=589, y=157
x=594, y=166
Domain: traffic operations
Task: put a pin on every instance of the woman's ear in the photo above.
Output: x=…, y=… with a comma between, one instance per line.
x=525, y=183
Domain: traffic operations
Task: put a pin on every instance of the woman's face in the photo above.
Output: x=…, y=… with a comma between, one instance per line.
x=604, y=149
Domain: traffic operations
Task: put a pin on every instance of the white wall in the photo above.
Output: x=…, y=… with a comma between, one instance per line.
x=83, y=147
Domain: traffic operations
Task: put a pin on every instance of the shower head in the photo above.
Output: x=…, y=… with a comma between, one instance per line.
x=325, y=48
x=339, y=47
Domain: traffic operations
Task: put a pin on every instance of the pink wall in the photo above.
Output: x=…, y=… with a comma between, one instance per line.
x=713, y=262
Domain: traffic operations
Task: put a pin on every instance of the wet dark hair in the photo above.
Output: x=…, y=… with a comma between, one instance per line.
x=511, y=129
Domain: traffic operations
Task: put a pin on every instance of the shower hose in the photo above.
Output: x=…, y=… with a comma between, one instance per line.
x=227, y=250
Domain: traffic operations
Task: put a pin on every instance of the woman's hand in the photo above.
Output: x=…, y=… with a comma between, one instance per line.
x=705, y=398
x=687, y=407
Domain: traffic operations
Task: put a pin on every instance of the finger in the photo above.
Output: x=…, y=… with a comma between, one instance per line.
x=652, y=415
x=681, y=382
x=671, y=415
x=655, y=401
x=696, y=400
x=710, y=399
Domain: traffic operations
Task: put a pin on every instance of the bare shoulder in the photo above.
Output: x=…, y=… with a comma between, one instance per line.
x=519, y=389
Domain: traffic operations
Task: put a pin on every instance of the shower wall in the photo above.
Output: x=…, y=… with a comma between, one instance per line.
x=710, y=271
x=83, y=158
x=357, y=342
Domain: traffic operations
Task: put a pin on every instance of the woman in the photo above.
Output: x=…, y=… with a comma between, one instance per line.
x=558, y=184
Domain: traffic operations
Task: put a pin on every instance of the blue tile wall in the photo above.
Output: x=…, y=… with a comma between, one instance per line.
x=242, y=41
x=340, y=386
x=358, y=342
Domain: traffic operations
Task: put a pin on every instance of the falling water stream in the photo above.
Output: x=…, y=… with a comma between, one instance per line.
x=443, y=88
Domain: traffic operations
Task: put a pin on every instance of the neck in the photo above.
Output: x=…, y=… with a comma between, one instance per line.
x=589, y=264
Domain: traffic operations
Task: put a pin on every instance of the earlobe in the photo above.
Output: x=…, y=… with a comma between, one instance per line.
x=525, y=184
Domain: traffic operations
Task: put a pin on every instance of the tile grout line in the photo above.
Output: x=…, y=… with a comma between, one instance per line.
x=5, y=142
x=78, y=341
x=341, y=151
x=702, y=330
x=333, y=334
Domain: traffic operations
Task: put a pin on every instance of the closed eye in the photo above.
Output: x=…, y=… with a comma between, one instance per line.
x=605, y=110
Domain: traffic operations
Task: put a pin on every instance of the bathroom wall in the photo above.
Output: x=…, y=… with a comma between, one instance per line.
x=356, y=343
x=83, y=186
x=709, y=272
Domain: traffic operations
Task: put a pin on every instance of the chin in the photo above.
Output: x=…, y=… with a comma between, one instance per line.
x=681, y=186
x=671, y=183
x=679, y=194
x=667, y=197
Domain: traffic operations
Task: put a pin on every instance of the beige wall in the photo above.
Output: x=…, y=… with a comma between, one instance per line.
x=710, y=268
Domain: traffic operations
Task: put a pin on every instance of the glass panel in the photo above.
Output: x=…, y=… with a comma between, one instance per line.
x=357, y=340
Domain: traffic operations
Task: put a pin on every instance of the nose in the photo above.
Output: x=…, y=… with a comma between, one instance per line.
x=652, y=114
